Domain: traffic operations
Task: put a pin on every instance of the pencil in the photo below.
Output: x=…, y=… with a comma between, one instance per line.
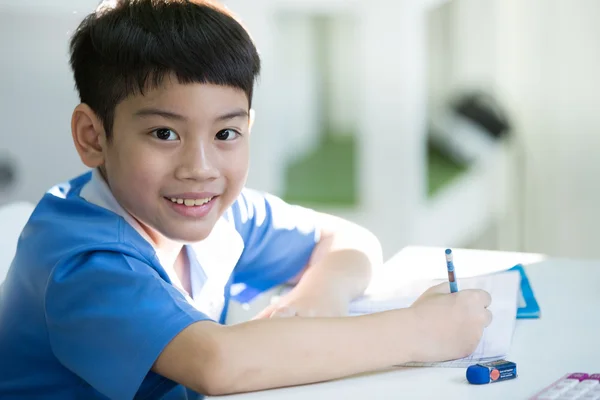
x=451, y=276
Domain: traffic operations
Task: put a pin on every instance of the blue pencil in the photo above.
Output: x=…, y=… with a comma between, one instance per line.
x=451, y=276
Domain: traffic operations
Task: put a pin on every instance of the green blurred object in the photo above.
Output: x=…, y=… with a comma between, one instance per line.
x=441, y=170
x=327, y=176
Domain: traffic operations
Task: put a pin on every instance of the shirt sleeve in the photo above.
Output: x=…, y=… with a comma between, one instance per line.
x=109, y=316
x=279, y=239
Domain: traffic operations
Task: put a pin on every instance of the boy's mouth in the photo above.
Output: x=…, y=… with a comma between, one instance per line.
x=190, y=202
x=192, y=205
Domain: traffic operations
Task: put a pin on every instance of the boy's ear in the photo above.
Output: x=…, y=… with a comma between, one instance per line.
x=251, y=119
x=88, y=136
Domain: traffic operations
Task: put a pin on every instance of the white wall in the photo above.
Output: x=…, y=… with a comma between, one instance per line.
x=344, y=74
x=298, y=125
x=37, y=97
x=549, y=58
x=392, y=118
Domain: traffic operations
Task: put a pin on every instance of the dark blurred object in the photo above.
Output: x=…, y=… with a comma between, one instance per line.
x=484, y=110
x=470, y=128
x=8, y=175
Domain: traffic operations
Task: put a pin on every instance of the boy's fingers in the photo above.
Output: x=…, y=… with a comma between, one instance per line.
x=482, y=297
x=283, y=312
x=488, y=317
x=442, y=288
x=265, y=313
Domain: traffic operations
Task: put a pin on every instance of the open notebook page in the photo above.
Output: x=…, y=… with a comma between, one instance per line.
x=426, y=263
x=496, y=339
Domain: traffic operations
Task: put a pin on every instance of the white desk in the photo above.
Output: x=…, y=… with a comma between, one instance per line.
x=565, y=339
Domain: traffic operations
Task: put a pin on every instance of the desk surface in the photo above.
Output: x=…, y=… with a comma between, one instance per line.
x=564, y=339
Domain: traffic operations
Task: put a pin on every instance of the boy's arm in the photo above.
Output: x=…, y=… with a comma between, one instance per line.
x=216, y=360
x=263, y=354
x=329, y=258
x=339, y=270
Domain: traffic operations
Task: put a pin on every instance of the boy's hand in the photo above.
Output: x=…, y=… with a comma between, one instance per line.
x=449, y=326
x=296, y=304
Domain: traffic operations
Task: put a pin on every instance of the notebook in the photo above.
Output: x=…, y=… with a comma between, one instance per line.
x=496, y=340
x=422, y=263
x=528, y=305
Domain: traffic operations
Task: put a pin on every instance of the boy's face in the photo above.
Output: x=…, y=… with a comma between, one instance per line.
x=178, y=157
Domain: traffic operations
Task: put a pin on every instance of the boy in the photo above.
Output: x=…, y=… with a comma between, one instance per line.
x=122, y=277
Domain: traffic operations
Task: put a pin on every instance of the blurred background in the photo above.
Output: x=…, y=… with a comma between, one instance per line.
x=463, y=123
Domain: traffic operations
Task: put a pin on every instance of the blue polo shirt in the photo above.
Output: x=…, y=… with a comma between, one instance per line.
x=87, y=306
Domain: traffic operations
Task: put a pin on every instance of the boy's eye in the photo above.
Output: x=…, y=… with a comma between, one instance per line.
x=165, y=134
x=227, y=134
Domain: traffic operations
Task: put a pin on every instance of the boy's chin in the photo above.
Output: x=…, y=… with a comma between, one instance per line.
x=191, y=237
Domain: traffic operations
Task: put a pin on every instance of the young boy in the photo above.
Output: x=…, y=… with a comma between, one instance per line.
x=122, y=277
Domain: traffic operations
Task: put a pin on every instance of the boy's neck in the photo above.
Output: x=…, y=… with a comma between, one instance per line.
x=168, y=250
x=171, y=254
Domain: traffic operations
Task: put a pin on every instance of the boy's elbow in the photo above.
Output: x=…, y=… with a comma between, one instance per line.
x=203, y=358
x=216, y=386
x=216, y=375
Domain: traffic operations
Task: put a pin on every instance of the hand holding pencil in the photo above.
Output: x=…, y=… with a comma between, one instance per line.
x=451, y=326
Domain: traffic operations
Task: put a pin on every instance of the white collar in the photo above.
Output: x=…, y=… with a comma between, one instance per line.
x=216, y=256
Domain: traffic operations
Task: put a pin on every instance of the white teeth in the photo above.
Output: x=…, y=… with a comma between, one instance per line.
x=191, y=202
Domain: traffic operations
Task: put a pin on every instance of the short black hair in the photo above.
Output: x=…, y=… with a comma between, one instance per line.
x=128, y=46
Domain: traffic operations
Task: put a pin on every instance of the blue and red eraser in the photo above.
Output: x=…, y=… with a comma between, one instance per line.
x=495, y=371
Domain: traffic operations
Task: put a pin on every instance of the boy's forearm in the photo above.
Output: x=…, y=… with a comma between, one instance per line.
x=346, y=273
x=342, y=261
x=280, y=352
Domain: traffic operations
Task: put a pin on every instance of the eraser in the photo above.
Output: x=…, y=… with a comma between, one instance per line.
x=578, y=376
x=495, y=371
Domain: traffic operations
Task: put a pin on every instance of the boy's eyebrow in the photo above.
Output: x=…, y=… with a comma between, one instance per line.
x=239, y=113
x=233, y=114
x=144, y=112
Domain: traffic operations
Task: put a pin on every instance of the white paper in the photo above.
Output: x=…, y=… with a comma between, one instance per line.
x=426, y=263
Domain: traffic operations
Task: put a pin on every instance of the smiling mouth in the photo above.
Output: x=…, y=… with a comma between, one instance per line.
x=190, y=202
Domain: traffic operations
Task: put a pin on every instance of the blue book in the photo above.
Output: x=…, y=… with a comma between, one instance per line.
x=528, y=305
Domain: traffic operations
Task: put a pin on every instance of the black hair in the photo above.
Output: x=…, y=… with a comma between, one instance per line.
x=129, y=46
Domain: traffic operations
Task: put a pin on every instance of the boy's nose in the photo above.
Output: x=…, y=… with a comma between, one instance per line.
x=198, y=163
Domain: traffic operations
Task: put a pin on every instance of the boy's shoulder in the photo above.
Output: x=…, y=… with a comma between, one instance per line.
x=64, y=223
